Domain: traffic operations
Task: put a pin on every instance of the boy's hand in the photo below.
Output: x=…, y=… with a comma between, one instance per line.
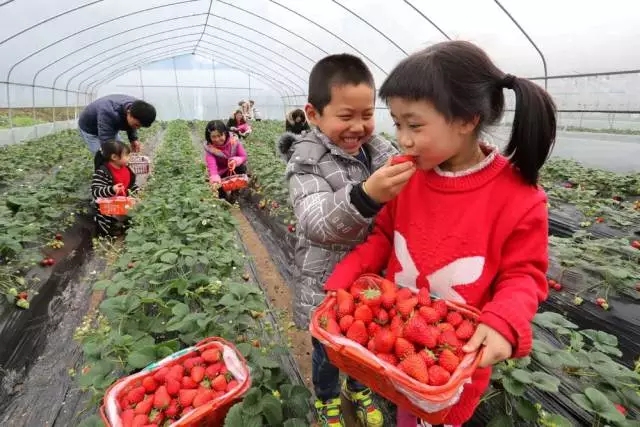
x=497, y=348
x=385, y=183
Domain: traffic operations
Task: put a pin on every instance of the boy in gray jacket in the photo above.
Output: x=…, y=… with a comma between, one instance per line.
x=339, y=177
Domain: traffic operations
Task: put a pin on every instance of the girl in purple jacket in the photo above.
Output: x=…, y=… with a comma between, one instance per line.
x=224, y=155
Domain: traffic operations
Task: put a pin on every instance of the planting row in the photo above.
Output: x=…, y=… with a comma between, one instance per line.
x=180, y=278
x=576, y=373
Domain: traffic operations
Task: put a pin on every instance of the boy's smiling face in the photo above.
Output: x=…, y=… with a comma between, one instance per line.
x=348, y=120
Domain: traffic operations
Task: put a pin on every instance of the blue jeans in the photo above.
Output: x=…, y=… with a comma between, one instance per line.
x=326, y=377
x=93, y=142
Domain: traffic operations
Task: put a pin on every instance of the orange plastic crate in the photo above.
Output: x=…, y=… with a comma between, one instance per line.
x=117, y=205
x=210, y=415
x=431, y=404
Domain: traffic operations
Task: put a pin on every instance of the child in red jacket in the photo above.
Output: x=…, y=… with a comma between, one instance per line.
x=471, y=224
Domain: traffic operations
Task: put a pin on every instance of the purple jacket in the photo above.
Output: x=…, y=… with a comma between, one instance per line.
x=217, y=158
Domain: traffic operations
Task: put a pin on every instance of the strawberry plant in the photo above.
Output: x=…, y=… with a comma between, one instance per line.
x=571, y=368
x=179, y=279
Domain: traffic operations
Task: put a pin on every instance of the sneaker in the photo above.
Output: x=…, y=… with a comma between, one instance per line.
x=329, y=414
x=368, y=413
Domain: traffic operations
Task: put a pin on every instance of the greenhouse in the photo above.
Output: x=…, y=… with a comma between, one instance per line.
x=163, y=246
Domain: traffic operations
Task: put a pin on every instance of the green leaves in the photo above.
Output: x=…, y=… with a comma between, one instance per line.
x=596, y=402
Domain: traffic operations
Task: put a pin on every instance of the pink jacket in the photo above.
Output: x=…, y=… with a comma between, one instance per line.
x=217, y=158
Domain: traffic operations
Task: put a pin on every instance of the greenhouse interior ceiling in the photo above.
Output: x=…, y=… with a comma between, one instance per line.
x=198, y=58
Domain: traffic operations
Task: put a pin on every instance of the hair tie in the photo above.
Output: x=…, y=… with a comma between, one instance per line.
x=507, y=81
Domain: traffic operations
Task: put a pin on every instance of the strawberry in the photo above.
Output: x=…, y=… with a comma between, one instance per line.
x=186, y=410
x=160, y=375
x=156, y=417
x=402, y=158
x=185, y=397
x=444, y=327
x=173, y=386
x=136, y=395
x=392, y=312
x=428, y=357
x=176, y=371
x=397, y=326
x=364, y=313
x=331, y=326
x=127, y=417
x=361, y=284
x=405, y=307
x=382, y=317
x=140, y=420
x=197, y=373
x=145, y=406
x=202, y=398
x=191, y=362
x=212, y=371
x=449, y=340
x=438, y=375
x=346, y=307
x=388, y=300
x=415, y=367
x=441, y=308
x=161, y=398
x=621, y=409
x=358, y=333
x=384, y=341
x=417, y=331
x=188, y=383
x=424, y=297
x=448, y=360
x=223, y=370
x=387, y=286
x=429, y=314
x=342, y=296
x=346, y=322
x=231, y=385
x=403, y=348
x=149, y=384
x=173, y=410
x=211, y=356
x=403, y=294
x=371, y=346
x=454, y=318
x=466, y=330
x=219, y=383
x=371, y=297
x=389, y=358
x=373, y=328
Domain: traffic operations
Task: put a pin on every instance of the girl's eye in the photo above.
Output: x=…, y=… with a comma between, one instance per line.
x=414, y=126
x=396, y=125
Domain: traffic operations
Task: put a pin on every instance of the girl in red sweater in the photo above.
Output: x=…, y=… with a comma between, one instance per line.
x=471, y=224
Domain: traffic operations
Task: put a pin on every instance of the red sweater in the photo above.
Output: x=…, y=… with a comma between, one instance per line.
x=121, y=175
x=478, y=237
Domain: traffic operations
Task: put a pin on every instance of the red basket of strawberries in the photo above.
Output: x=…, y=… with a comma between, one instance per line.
x=193, y=387
x=405, y=346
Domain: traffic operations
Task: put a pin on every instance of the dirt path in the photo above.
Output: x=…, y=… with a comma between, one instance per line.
x=278, y=294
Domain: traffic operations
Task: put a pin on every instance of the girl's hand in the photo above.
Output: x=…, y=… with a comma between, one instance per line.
x=231, y=164
x=497, y=348
x=118, y=188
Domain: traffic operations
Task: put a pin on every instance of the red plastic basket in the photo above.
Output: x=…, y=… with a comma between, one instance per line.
x=234, y=181
x=115, y=206
x=432, y=404
x=210, y=415
x=139, y=164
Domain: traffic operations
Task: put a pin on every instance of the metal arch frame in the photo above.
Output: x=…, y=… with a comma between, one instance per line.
x=270, y=37
x=255, y=43
x=206, y=22
x=535, y=46
x=419, y=12
x=114, y=74
x=371, y=26
x=325, y=30
x=6, y=2
x=51, y=18
x=104, y=60
x=304, y=80
x=260, y=64
x=264, y=78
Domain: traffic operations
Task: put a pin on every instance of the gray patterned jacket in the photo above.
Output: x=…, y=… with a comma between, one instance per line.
x=320, y=177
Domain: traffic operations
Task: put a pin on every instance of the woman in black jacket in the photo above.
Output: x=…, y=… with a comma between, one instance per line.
x=297, y=122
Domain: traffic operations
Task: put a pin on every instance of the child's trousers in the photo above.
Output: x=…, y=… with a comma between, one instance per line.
x=326, y=377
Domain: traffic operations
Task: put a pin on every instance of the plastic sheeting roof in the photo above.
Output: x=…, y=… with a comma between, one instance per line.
x=79, y=45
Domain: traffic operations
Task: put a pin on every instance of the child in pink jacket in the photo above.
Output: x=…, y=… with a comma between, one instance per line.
x=224, y=155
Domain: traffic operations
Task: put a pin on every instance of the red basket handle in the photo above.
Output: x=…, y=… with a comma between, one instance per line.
x=123, y=192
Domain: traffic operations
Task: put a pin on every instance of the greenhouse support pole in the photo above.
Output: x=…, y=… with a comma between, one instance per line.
x=53, y=105
x=249, y=76
x=75, y=113
x=215, y=86
x=141, y=82
x=175, y=75
x=33, y=106
x=13, y=135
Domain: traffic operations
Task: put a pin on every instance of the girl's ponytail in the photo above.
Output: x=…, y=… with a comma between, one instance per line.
x=533, y=132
